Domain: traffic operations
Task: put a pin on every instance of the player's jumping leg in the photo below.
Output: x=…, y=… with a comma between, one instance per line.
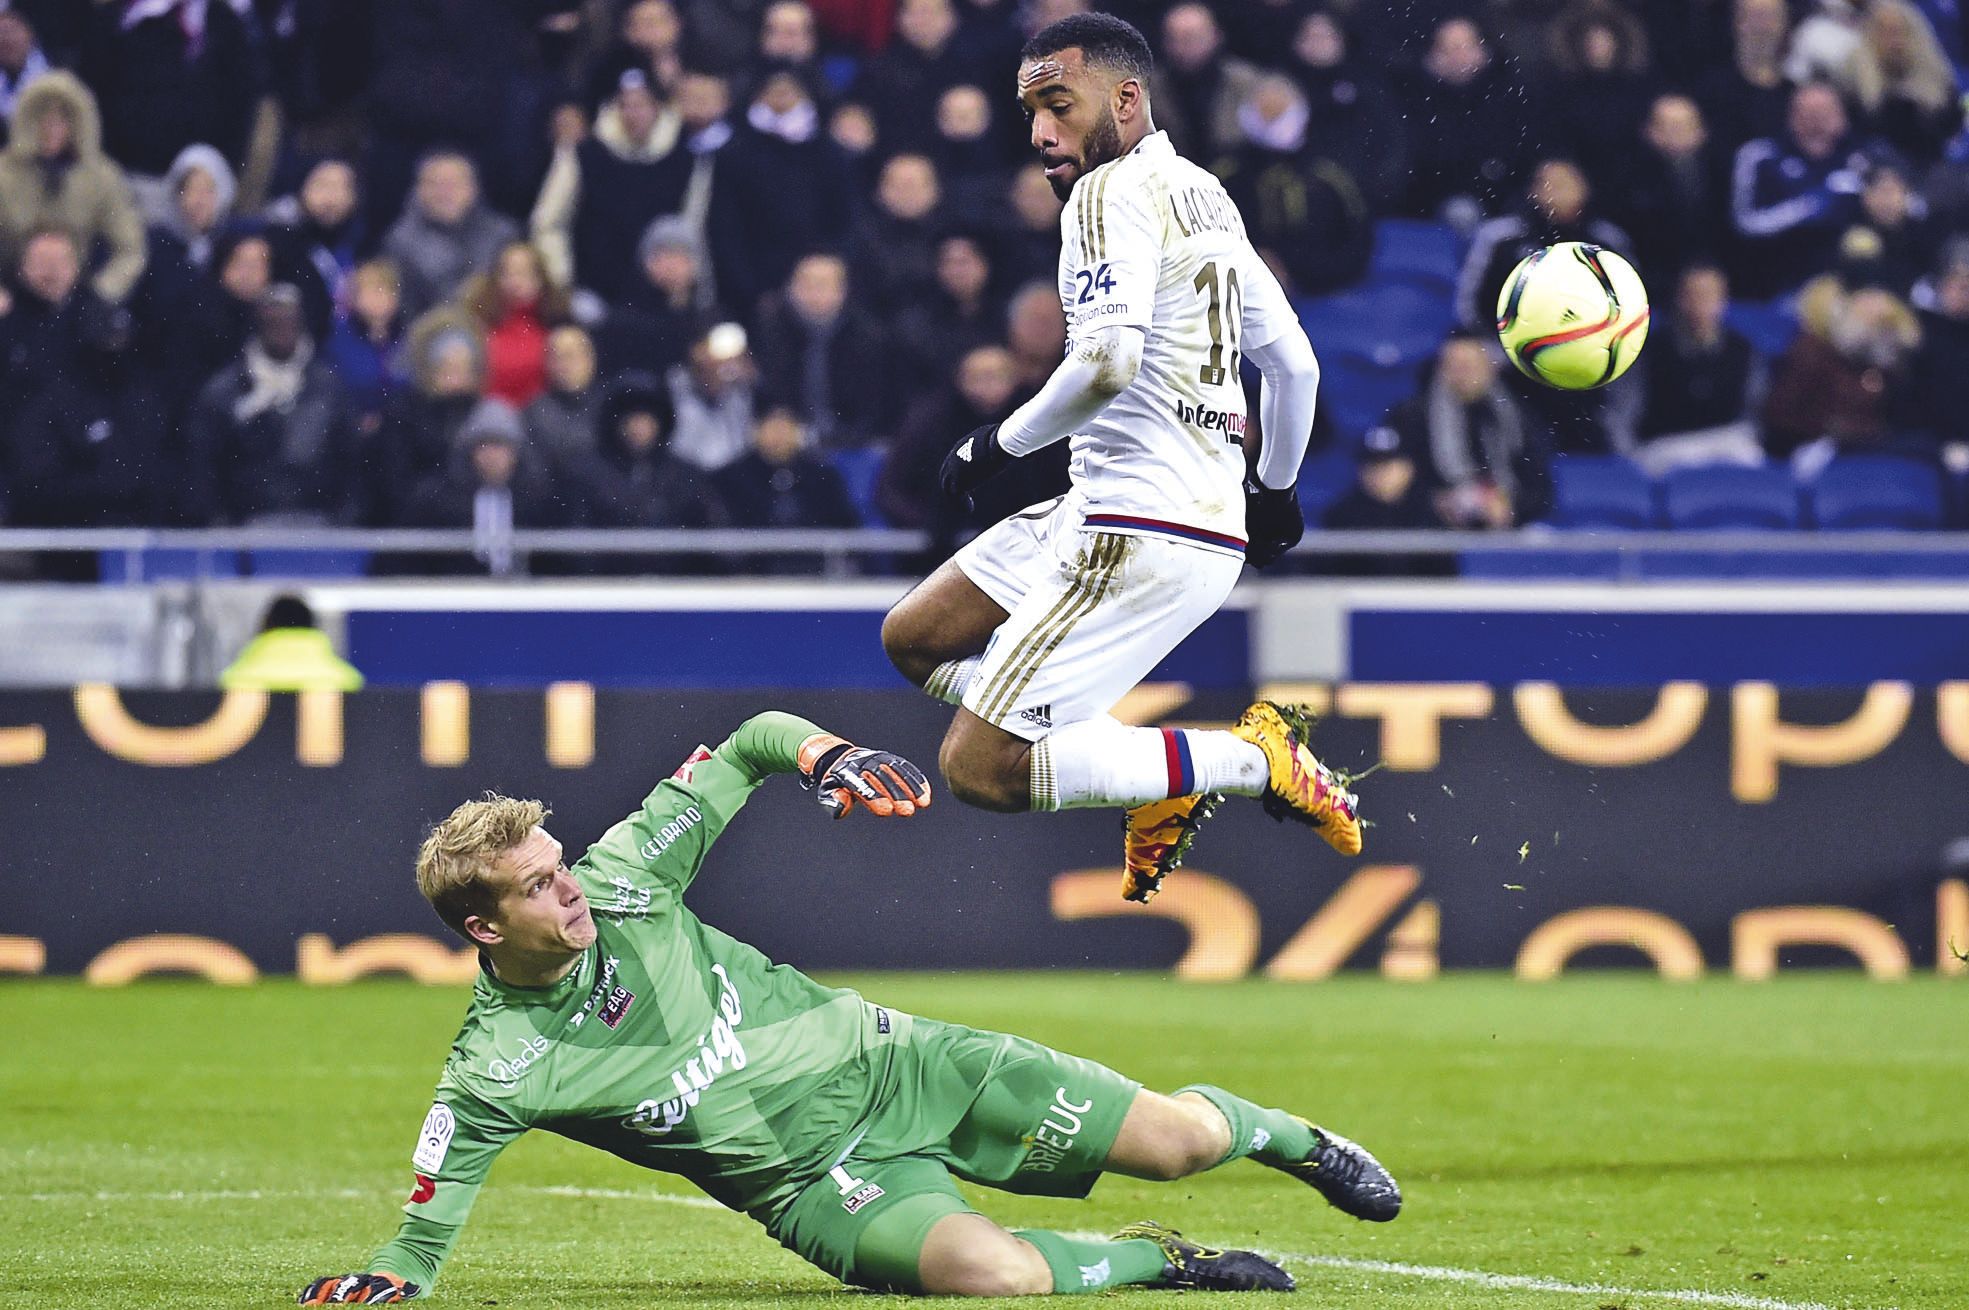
x=936, y=634
x=1201, y=1127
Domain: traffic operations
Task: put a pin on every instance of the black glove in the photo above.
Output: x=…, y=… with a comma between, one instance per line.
x=972, y=461
x=845, y=774
x=1273, y=523
x=358, y=1289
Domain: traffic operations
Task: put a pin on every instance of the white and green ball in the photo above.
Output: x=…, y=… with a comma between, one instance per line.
x=1573, y=315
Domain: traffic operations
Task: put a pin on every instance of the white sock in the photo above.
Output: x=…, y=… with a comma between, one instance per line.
x=1104, y=762
x=949, y=679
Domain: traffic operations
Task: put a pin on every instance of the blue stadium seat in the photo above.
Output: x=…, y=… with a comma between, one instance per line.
x=1515, y=565
x=1390, y=324
x=1428, y=255
x=861, y=468
x=1730, y=497
x=166, y=564
x=273, y=563
x=1770, y=324
x=1601, y=492
x=1862, y=493
x=1324, y=478
x=1357, y=392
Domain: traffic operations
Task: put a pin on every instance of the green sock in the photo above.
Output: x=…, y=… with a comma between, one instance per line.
x=1268, y=1136
x=1080, y=1266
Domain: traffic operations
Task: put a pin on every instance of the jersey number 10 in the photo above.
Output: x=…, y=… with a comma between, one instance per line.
x=1226, y=320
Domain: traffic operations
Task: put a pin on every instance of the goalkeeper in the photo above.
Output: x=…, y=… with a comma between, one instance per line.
x=606, y=1012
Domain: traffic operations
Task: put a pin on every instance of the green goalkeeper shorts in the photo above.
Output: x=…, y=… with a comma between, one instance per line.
x=985, y=1107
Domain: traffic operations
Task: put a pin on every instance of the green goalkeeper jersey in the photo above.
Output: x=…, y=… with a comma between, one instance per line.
x=669, y=1044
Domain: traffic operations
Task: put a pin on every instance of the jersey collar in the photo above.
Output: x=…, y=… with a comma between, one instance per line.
x=573, y=983
x=1155, y=143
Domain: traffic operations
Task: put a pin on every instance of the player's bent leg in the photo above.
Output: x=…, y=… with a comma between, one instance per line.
x=969, y=1255
x=1164, y=1138
x=942, y=625
x=1343, y=1172
x=986, y=766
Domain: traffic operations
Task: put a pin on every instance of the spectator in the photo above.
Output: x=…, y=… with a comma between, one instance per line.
x=712, y=395
x=1793, y=196
x=86, y=451
x=1028, y=248
x=1903, y=82
x=1036, y=331
x=1676, y=199
x=984, y=389
x=54, y=174
x=1557, y=208
x=905, y=80
x=201, y=189
x=1844, y=383
x=852, y=129
x=958, y=315
x=969, y=159
x=367, y=349
x=656, y=321
x=494, y=485
x=171, y=73
x=1304, y=213
x=782, y=190
x=788, y=41
x=1354, y=116
x=291, y=653
x=421, y=424
x=895, y=247
x=782, y=483
x=603, y=192
x=320, y=237
x=560, y=423
x=272, y=438
x=1603, y=87
x=823, y=358
x=1386, y=493
x=1892, y=230
x=446, y=233
x=1702, y=383
x=46, y=321
x=1751, y=97
x=1487, y=462
x=22, y=59
x=1935, y=407
x=1198, y=87
x=1472, y=142
x=515, y=305
x=648, y=486
x=1825, y=40
x=649, y=37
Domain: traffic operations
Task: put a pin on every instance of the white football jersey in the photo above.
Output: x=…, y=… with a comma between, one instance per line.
x=1152, y=240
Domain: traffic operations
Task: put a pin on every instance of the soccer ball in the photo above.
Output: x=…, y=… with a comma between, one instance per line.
x=1573, y=315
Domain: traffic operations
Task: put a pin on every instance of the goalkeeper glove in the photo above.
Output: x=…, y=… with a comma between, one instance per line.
x=972, y=461
x=845, y=774
x=358, y=1289
x=1273, y=523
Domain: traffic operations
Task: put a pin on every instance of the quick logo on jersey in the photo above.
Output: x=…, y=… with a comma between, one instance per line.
x=629, y=902
x=434, y=1139
x=667, y=835
x=1056, y=1133
x=427, y=1187
x=508, y=1072
x=718, y=1050
x=1207, y=419
x=691, y=761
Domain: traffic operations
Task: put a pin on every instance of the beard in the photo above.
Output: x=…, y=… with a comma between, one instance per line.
x=1102, y=143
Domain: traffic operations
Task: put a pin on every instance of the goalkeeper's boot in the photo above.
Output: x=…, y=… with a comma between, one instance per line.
x=1352, y=1181
x=1157, y=838
x=1204, y=1268
x=1301, y=788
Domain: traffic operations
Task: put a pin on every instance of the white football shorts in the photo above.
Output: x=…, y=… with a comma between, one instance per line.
x=1091, y=610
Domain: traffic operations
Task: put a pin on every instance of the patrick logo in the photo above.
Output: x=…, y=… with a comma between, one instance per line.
x=427, y=1187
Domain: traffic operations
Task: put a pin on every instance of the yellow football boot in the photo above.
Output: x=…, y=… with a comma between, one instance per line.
x=1301, y=787
x=1157, y=838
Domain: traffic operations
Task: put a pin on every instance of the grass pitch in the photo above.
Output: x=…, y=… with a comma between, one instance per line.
x=1599, y=1142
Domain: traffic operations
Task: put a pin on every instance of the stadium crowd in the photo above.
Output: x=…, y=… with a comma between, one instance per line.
x=535, y=263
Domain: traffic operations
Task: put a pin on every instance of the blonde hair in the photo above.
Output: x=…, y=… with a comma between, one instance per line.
x=454, y=865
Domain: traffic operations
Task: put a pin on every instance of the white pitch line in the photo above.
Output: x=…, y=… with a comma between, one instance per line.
x=1392, y=1268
